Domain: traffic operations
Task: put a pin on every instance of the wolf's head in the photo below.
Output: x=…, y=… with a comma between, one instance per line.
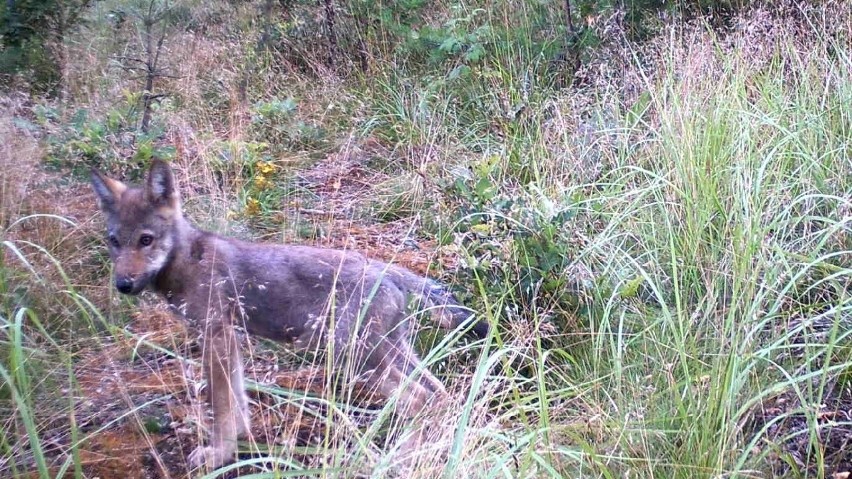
x=141, y=225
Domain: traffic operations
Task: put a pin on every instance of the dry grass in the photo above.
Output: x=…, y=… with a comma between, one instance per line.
x=708, y=181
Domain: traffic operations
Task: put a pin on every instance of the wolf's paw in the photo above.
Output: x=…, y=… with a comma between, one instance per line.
x=209, y=457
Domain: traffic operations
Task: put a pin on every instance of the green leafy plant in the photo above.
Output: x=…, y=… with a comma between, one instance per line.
x=275, y=122
x=110, y=141
x=512, y=238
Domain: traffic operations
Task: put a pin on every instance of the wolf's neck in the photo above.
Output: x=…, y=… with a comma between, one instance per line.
x=185, y=232
x=186, y=236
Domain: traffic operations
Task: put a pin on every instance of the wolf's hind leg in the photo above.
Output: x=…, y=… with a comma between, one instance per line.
x=421, y=398
x=419, y=405
x=223, y=369
x=411, y=365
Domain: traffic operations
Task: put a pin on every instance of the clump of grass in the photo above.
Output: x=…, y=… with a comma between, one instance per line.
x=664, y=252
x=712, y=221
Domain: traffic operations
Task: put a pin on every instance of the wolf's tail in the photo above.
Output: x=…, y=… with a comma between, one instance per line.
x=445, y=309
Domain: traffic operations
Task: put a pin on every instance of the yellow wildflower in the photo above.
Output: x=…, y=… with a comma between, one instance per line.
x=252, y=207
x=265, y=167
x=261, y=182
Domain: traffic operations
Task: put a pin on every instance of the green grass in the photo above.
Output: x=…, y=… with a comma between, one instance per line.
x=665, y=250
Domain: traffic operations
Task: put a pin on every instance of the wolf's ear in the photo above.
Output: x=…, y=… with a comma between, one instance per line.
x=107, y=189
x=160, y=188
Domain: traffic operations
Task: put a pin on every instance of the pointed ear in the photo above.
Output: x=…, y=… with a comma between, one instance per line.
x=109, y=191
x=160, y=189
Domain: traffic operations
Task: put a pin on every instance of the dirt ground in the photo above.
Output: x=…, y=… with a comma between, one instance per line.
x=167, y=404
x=782, y=423
x=139, y=408
x=163, y=391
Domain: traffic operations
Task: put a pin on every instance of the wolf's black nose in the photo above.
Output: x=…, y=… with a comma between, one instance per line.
x=124, y=285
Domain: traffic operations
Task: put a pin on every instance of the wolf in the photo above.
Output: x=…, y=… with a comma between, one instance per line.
x=352, y=308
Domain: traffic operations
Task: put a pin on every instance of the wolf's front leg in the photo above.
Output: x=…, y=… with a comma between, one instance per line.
x=223, y=369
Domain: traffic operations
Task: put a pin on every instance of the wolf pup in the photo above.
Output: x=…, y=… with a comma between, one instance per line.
x=351, y=307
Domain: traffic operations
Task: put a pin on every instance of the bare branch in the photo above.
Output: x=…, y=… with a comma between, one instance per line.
x=570, y=21
x=128, y=59
x=133, y=69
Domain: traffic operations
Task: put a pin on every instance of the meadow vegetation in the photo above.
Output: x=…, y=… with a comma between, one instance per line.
x=652, y=207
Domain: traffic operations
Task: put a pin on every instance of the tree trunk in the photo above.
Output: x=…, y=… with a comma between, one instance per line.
x=332, y=37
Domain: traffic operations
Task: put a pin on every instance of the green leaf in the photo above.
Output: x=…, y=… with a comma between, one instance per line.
x=631, y=288
x=461, y=71
x=484, y=189
x=475, y=53
x=450, y=45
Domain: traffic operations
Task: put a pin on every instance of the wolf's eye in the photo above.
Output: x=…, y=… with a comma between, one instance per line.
x=114, y=241
x=146, y=240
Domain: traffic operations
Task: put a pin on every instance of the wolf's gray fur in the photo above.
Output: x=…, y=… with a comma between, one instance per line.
x=341, y=302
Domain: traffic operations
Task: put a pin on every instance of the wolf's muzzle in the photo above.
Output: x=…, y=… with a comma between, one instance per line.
x=124, y=285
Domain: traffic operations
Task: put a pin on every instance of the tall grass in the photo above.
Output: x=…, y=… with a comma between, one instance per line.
x=665, y=251
x=722, y=218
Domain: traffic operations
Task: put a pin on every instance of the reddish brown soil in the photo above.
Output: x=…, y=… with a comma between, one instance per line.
x=790, y=449
x=138, y=408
